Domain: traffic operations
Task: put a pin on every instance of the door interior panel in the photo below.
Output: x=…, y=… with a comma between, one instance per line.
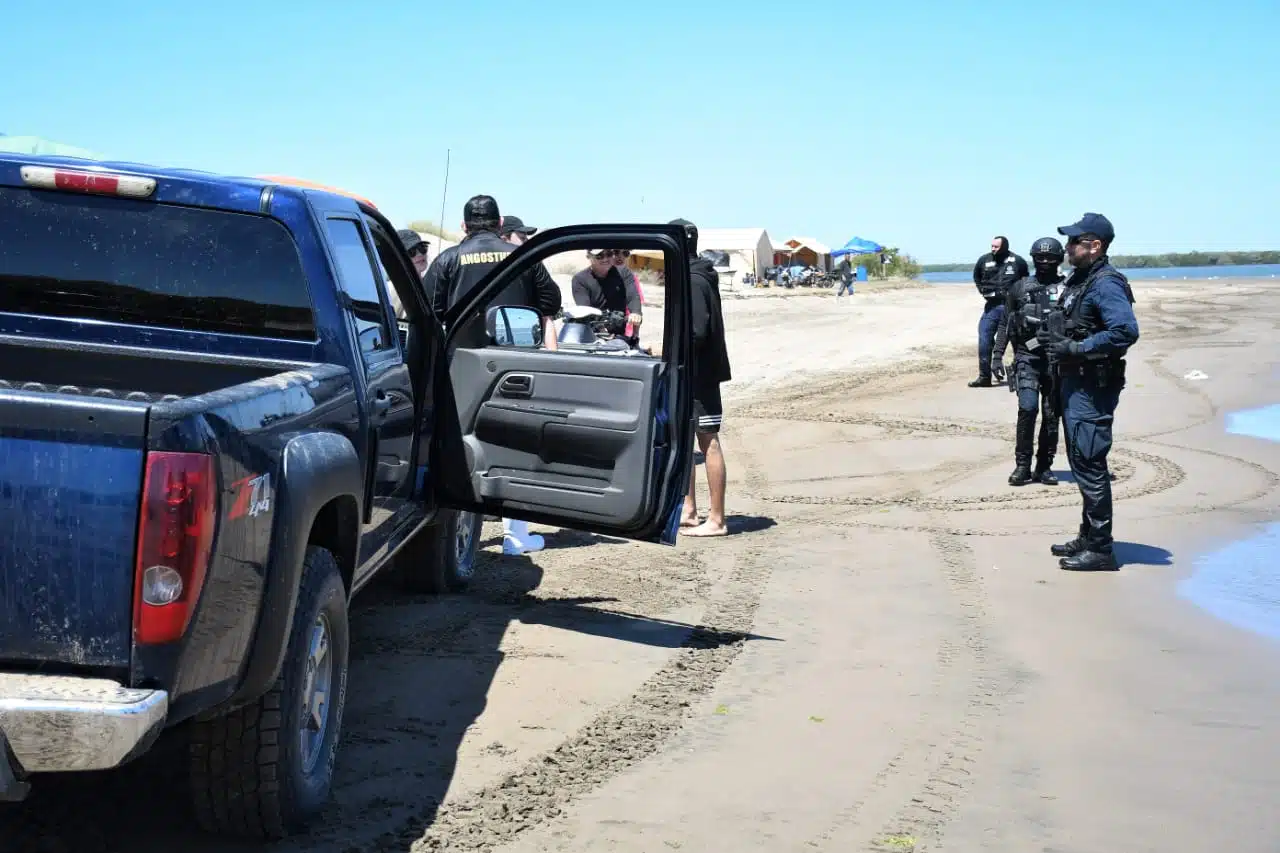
x=563, y=433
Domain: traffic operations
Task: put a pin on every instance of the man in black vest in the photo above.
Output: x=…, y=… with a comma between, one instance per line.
x=1027, y=307
x=992, y=275
x=1088, y=336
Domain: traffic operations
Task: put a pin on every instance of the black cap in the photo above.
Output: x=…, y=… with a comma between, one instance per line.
x=481, y=208
x=1090, y=223
x=409, y=239
x=515, y=225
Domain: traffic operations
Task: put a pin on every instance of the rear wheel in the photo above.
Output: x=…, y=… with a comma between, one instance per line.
x=266, y=769
x=442, y=558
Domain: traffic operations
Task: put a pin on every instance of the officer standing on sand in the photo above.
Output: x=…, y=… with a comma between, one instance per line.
x=1088, y=335
x=992, y=275
x=1027, y=306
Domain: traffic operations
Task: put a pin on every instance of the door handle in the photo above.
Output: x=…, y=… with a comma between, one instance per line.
x=517, y=385
x=381, y=405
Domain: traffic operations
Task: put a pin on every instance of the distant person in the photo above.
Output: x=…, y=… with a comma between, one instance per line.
x=601, y=285
x=1096, y=311
x=710, y=368
x=992, y=275
x=1027, y=307
x=632, y=332
x=845, y=270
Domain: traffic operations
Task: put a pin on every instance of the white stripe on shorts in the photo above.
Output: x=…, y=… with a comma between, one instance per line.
x=710, y=420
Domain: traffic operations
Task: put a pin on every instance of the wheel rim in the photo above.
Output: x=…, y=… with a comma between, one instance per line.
x=464, y=534
x=317, y=685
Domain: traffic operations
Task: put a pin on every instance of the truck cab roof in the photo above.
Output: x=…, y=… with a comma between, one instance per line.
x=183, y=186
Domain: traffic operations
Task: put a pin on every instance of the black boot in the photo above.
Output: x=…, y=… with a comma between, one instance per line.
x=1068, y=549
x=981, y=382
x=1021, y=475
x=1090, y=561
x=1044, y=475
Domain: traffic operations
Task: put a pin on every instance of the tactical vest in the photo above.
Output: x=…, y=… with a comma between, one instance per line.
x=997, y=276
x=1033, y=301
x=1071, y=305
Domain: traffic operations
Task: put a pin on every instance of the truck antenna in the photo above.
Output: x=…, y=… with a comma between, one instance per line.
x=445, y=195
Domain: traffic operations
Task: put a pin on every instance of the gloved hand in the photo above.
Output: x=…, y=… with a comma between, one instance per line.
x=997, y=371
x=1058, y=346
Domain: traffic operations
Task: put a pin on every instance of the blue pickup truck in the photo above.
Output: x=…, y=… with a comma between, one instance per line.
x=214, y=430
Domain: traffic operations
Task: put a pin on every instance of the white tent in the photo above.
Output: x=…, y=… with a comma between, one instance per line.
x=749, y=249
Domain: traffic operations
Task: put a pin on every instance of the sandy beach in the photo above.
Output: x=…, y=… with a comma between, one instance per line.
x=883, y=656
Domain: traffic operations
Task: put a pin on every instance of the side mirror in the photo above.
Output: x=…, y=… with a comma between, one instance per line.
x=513, y=326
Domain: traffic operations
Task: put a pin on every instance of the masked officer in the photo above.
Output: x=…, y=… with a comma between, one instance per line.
x=1088, y=335
x=1027, y=306
x=992, y=275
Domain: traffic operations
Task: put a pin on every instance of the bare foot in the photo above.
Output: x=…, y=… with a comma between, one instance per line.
x=689, y=521
x=707, y=529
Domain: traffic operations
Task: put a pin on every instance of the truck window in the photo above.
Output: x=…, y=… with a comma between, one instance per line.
x=356, y=270
x=128, y=261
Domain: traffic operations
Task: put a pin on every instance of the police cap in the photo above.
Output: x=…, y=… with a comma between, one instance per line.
x=1090, y=223
x=481, y=208
x=1047, y=247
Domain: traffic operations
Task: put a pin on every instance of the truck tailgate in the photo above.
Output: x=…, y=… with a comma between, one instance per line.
x=70, y=483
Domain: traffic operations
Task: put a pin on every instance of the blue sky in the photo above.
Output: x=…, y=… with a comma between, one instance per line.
x=930, y=126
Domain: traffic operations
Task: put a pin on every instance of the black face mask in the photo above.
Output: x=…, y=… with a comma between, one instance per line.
x=1047, y=271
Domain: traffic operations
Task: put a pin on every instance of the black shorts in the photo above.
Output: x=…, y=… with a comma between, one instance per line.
x=708, y=411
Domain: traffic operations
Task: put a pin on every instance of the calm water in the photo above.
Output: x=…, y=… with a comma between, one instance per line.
x=1147, y=274
x=1240, y=583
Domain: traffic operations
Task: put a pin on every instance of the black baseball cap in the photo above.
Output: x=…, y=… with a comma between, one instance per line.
x=515, y=225
x=481, y=208
x=409, y=239
x=1090, y=223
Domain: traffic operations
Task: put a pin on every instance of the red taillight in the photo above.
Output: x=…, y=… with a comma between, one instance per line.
x=175, y=533
x=98, y=183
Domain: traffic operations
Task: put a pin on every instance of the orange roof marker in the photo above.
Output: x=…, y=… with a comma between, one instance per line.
x=300, y=182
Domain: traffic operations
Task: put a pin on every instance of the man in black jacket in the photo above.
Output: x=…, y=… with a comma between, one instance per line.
x=992, y=275
x=458, y=269
x=710, y=369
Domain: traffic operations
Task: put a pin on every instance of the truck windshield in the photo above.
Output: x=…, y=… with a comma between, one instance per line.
x=127, y=261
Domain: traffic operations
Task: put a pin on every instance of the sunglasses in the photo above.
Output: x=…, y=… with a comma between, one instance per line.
x=418, y=250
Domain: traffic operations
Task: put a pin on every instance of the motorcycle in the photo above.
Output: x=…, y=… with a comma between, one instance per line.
x=589, y=329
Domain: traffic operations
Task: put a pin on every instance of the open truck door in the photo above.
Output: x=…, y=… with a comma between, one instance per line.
x=593, y=441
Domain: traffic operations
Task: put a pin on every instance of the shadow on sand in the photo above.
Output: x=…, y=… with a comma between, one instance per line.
x=421, y=671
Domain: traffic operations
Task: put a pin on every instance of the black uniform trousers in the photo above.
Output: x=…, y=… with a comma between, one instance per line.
x=1090, y=394
x=1034, y=382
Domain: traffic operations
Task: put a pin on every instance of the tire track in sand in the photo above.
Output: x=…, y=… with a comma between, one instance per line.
x=615, y=740
x=910, y=801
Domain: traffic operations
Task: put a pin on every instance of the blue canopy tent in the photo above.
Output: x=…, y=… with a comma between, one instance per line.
x=858, y=246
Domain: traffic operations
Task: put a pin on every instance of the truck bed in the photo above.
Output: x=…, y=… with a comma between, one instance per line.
x=72, y=457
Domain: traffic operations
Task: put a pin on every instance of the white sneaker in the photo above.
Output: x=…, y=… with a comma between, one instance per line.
x=517, y=539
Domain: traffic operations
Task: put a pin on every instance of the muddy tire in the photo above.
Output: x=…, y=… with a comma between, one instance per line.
x=442, y=559
x=265, y=770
